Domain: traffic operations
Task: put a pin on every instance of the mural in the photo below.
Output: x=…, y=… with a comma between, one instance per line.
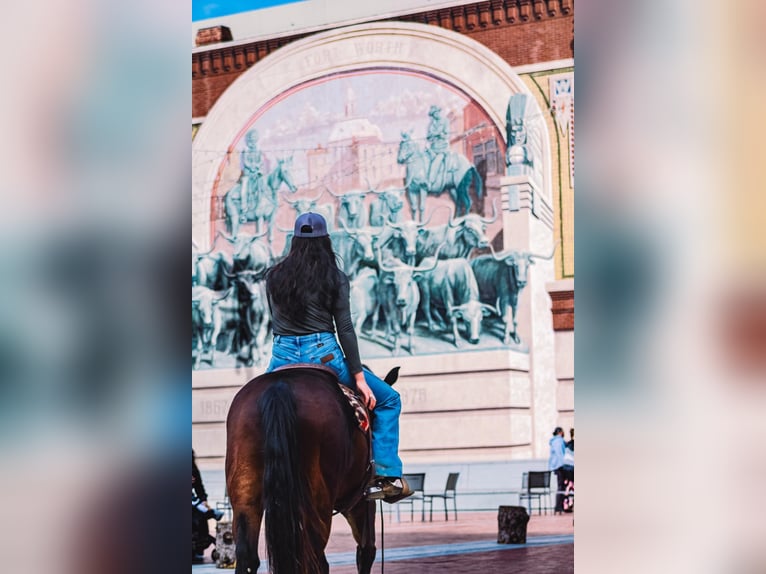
x=397, y=163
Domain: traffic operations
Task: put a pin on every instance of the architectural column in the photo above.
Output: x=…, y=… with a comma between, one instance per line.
x=528, y=228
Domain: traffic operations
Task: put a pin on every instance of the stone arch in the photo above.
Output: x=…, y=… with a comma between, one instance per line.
x=456, y=59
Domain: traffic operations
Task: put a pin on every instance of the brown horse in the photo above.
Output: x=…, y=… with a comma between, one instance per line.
x=293, y=455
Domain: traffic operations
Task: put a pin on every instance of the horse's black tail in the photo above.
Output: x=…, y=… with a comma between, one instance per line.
x=285, y=493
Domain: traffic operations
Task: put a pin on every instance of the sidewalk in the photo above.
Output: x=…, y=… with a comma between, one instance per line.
x=468, y=545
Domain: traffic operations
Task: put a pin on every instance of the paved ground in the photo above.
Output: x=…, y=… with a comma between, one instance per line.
x=468, y=545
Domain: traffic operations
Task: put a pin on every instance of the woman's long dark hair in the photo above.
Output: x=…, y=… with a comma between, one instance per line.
x=309, y=273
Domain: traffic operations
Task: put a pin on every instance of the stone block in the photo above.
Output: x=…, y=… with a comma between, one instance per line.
x=224, y=545
x=512, y=525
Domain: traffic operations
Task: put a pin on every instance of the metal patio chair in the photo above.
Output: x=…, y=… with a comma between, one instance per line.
x=416, y=482
x=536, y=484
x=450, y=493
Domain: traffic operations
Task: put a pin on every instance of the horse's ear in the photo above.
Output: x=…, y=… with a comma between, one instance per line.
x=392, y=376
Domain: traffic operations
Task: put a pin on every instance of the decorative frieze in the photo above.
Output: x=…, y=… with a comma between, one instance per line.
x=458, y=19
x=465, y=19
x=484, y=10
x=497, y=11
x=472, y=16
x=525, y=10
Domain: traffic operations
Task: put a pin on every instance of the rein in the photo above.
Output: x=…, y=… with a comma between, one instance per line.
x=382, y=540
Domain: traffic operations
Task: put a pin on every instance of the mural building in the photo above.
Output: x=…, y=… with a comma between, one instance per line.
x=436, y=143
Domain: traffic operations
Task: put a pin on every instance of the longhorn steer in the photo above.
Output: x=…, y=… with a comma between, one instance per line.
x=351, y=212
x=304, y=205
x=451, y=286
x=256, y=318
x=387, y=207
x=363, y=296
x=207, y=320
x=401, y=239
x=399, y=295
x=211, y=269
x=354, y=247
x=501, y=277
x=458, y=237
x=248, y=253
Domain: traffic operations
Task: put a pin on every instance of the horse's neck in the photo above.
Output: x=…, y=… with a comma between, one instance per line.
x=275, y=177
x=420, y=155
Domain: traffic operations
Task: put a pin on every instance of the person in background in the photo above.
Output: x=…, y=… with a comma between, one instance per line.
x=558, y=464
x=570, y=444
x=201, y=513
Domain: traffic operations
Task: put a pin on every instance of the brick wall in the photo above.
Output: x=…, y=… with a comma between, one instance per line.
x=531, y=42
x=544, y=36
x=206, y=90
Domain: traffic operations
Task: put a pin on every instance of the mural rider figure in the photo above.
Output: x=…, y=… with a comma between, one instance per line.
x=252, y=173
x=438, y=145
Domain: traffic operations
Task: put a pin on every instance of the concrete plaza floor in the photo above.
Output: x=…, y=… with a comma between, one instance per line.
x=466, y=545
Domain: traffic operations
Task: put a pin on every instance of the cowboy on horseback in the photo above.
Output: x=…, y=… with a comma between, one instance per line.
x=308, y=297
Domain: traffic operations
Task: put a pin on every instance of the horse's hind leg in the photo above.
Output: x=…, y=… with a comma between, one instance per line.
x=247, y=527
x=362, y=521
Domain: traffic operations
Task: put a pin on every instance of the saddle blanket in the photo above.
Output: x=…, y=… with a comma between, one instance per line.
x=361, y=414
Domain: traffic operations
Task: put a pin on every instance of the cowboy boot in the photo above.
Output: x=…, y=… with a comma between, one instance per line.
x=389, y=488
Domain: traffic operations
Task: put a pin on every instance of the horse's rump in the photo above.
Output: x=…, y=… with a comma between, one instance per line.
x=294, y=452
x=323, y=412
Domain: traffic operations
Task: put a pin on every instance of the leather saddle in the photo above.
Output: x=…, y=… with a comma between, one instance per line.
x=361, y=414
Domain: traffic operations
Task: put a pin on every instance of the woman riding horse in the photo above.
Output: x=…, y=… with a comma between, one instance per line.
x=309, y=296
x=290, y=455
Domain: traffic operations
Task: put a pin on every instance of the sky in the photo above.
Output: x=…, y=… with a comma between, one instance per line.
x=204, y=9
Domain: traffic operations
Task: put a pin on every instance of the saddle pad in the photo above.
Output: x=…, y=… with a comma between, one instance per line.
x=361, y=414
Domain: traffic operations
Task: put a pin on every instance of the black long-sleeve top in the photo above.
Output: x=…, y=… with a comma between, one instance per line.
x=317, y=318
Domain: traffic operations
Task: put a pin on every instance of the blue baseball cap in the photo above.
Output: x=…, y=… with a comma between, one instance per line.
x=310, y=225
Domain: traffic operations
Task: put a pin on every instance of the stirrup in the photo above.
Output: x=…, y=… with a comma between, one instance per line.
x=390, y=490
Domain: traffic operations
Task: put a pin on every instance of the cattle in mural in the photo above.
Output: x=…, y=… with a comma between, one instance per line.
x=450, y=292
x=401, y=239
x=456, y=238
x=249, y=252
x=207, y=321
x=364, y=299
x=257, y=318
x=399, y=295
x=355, y=247
x=501, y=277
x=414, y=286
x=387, y=206
x=232, y=323
x=211, y=269
x=352, y=212
x=303, y=205
x=422, y=278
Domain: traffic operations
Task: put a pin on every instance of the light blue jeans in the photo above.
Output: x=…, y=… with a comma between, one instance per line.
x=312, y=348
